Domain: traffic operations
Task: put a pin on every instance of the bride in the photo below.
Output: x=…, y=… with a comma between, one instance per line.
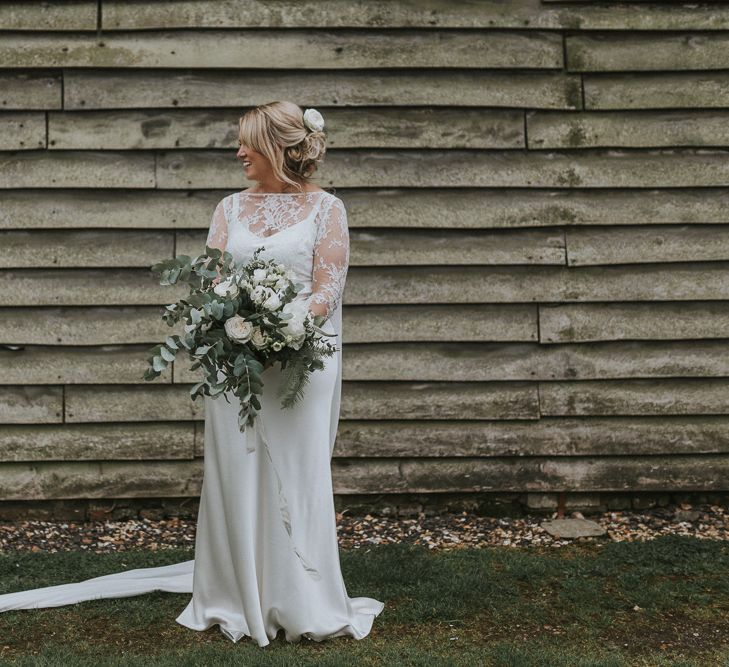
x=266, y=550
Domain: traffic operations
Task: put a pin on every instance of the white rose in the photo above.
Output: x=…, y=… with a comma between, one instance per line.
x=238, y=329
x=258, y=293
x=313, y=119
x=258, y=338
x=226, y=288
x=272, y=302
x=295, y=326
x=259, y=275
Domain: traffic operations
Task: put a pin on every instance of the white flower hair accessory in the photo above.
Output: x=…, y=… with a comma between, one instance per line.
x=313, y=120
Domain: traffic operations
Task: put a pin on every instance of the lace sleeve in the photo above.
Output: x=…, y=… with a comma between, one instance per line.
x=218, y=232
x=331, y=258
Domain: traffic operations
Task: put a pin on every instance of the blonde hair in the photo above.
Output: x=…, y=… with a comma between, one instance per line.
x=277, y=130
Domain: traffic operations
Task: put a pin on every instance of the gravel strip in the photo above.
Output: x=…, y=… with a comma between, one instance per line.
x=441, y=531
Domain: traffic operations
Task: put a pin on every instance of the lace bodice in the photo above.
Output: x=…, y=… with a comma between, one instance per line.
x=307, y=232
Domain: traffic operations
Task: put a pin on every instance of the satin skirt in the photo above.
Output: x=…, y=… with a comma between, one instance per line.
x=266, y=551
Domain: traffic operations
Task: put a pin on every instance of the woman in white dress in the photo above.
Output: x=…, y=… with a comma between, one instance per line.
x=266, y=550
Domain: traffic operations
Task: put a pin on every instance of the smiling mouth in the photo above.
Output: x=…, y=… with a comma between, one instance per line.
x=246, y=164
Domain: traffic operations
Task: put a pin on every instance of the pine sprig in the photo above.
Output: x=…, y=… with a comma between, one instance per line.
x=294, y=379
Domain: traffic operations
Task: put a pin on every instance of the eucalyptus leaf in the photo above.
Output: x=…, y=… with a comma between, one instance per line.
x=159, y=364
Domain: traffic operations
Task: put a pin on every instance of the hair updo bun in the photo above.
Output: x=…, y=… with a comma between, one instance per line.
x=302, y=158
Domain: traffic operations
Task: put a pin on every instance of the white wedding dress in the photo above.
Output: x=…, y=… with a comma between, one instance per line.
x=266, y=550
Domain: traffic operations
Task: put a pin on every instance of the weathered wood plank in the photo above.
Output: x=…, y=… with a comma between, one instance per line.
x=439, y=400
x=145, y=89
x=587, y=322
x=466, y=208
x=432, y=247
x=112, y=209
x=281, y=49
x=636, y=129
x=30, y=90
x=521, y=14
x=618, y=473
x=107, y=479
x=97, y=442
x=660, y=282
x=400, y=285
x=456, y=208
x=49, y=15
x=131, y=403
x=708, y=396
x=81, y=287
x=76, y=169
x=117, y=479
x=31, y=405
x=527, y=361
x=549, y=436
x=22, y=131
x=704, y=472
x=457, y=168
x=106, y=364
x=625, y=16
x=90, y=248
x=102, y=325
x=360, y=400
x=656, y=243
x=376, y=324
x=657, y=91
x=645, y=52
x=346, y=128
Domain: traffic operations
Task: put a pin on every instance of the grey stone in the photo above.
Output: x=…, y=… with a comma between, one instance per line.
x=570, y=528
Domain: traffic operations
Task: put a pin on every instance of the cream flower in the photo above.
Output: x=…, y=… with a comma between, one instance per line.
x=295, y=326
x=226, y=288
x=238, y=329
x=258, y=338
x=313, y=119
x=259, y=276
x=259, y=293
x=272, y=302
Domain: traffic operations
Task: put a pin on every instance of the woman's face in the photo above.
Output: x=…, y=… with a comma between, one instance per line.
x=255, y=164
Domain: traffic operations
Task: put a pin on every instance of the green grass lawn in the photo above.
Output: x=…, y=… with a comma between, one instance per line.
x=661, y=602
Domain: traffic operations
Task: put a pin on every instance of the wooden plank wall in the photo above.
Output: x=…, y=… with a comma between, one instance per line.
x=538, y=296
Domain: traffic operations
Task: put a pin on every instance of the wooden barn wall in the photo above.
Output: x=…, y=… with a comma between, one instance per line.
x=538, y=297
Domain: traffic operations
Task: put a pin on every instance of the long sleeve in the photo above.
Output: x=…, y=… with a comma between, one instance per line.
x=218, y=232
x=331, y=258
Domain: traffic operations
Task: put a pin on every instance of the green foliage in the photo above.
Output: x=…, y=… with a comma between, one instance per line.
x=295, y=378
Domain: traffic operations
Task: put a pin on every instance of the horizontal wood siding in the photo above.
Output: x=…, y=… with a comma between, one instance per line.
x=538, y=201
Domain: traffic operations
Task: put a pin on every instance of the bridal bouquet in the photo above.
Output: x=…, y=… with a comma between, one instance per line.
x=239, y=326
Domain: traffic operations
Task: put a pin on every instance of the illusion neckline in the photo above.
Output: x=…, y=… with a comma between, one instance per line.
x=297, y=194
